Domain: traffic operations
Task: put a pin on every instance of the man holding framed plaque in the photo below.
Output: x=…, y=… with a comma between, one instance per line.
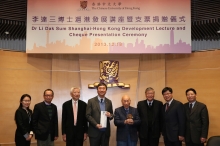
x=127, y=121
x=99, y=112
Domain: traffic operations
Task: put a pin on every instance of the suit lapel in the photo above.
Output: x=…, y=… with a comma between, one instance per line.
x=44, y=106
x=194, y=108
x=71, y=107
x=170, y=106
x=97, y=103
x=124, y=112
x=106, y=104
x=187, y=109
x=79, y=106
x=155, y=108
x=146, y=105
x=53, y=111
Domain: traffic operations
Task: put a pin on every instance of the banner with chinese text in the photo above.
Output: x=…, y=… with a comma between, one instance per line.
x=116, y=26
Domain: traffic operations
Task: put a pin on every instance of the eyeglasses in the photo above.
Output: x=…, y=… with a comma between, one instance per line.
x=26, y=100
x=48, y=95
x=166, y=94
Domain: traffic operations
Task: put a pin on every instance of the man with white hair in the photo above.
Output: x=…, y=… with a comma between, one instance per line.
x=74, y=122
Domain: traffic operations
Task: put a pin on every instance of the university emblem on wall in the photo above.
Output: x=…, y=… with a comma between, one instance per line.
x=83, y=4
x=109, y=74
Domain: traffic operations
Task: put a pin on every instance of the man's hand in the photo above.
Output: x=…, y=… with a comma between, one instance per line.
x=29, y=137
x=64, y=137
x=181, y=138
x=85, y=136
x=203, y=140
x=129, y=121
x=108, y=114
x=99, y=126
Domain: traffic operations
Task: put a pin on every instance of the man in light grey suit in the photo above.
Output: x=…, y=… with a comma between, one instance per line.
x=98, y=135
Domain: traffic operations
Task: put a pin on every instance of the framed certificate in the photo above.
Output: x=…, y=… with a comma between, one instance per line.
x=103, y=119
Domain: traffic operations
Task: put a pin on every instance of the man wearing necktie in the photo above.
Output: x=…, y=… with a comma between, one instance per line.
x=173, y=129
x=150, y=111
x=127, y=120
x=99, y=134
x=74, y=122
x=197, y=120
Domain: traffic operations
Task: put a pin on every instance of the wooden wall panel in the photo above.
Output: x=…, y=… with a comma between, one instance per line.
x=151, y=74
x=19, y=74
x=201, y=71
x=65, y=74
x=154, y=79
x=33, y=73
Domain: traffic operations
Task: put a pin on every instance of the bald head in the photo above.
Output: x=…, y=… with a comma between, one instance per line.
x=125, y=100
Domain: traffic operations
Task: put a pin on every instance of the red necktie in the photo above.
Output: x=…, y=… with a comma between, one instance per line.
x=167, y=106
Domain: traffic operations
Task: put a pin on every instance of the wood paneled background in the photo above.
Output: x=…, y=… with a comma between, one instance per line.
x=33, y=73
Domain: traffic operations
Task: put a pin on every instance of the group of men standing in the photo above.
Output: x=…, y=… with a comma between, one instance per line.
x=176, y=122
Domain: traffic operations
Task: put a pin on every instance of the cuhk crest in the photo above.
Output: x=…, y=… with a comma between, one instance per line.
x=109, y=71
x=83, y=4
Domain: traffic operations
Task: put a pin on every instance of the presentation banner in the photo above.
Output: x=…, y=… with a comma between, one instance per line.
x=108, y=26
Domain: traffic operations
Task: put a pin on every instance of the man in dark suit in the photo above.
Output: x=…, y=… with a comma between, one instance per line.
x=173, y=129
x=99, y=134
x=150, y=112
x=74, y=122
x=197, y=120
x=45, y=120
x=127, y=121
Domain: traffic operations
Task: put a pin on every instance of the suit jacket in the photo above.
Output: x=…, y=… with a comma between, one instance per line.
x=156, y=121
x=124, y=129
x=173, y=121
x=93, y=114
x=42, y=124
x=23, y=122
x=68, y=127
x=197, y=122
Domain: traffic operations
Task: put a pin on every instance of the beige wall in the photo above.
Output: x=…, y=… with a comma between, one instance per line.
x=200, y=70
x=33, y=73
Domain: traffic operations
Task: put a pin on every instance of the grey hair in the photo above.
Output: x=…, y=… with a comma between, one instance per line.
x=149, y=89
x=71, y=90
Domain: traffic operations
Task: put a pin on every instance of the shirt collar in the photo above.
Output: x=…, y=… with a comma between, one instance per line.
x=193, y=103
x=170, y=101
x=126, y=108
x=74, y=101
x=150, y=102
x=47, y=103
x=99, y=98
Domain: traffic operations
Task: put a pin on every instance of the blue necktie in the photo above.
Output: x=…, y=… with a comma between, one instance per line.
x=127, y=111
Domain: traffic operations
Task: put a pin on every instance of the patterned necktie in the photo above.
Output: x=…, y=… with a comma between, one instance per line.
x=149, y=104
x=75, y=113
